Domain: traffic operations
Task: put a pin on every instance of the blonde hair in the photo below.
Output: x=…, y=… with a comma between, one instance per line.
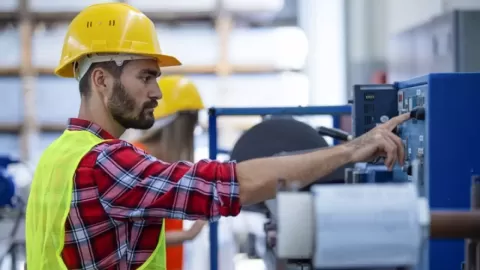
x=175, y=139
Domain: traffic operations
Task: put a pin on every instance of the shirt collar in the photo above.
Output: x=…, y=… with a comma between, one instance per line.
x=85, y=125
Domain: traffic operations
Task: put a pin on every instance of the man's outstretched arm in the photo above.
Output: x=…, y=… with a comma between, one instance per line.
x=135, y=185
x=258, y=178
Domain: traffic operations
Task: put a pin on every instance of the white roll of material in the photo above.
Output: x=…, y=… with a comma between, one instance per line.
x=368, y=225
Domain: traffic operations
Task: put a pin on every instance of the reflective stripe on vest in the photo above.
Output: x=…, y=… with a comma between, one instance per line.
x=49, y=203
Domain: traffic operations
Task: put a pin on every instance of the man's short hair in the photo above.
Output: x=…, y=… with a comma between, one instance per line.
x=110, y=67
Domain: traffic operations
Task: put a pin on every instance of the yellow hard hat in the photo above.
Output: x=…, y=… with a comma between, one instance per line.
x=179, y=94
x=110, y=28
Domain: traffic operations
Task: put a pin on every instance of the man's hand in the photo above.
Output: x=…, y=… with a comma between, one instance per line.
x=173, y=238
x=196, y=229
x=380, y=142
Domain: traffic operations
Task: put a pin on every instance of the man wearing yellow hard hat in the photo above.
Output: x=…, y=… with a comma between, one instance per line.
x=98, y=202
x=171, y=139
x=177, y=110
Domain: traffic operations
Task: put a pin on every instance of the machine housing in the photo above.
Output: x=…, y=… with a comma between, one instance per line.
x=442, y=148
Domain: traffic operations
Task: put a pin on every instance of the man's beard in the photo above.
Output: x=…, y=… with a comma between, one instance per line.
x=122, y=107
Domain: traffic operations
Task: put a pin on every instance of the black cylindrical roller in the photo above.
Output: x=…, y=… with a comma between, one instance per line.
x=273, y=136
x=279, y=137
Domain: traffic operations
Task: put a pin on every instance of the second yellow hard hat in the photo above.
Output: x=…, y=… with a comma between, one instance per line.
x=179, y=94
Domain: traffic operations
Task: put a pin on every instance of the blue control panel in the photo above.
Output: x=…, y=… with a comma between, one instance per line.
x=372, y=104
x=442, y=149
x=413, y=134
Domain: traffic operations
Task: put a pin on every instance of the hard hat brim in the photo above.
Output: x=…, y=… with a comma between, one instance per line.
x=164, y=60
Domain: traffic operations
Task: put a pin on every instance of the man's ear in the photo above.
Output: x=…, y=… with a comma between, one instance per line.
x=99, y=79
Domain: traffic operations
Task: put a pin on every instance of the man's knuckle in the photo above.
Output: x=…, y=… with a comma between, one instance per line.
x=378, y=134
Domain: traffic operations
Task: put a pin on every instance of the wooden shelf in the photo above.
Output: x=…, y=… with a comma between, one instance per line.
x=17, y=128
x=10, y=72
x=241, y=124
x=167, y=17
x=154, y=16
x=159, y=16
x=52, y=127
x=170, y=70
x=6, y=16
x=10, y=128
x=183, y=70
x=222, y=20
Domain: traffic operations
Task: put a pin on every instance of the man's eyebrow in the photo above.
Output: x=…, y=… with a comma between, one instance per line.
x=152, y=72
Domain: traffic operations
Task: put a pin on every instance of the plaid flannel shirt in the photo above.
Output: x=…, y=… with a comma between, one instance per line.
x=121, y=195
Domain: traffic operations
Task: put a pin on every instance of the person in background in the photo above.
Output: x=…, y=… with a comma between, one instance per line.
x=99, y=202
x=171, y=139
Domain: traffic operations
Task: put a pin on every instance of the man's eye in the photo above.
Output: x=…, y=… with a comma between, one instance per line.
x=147, y=79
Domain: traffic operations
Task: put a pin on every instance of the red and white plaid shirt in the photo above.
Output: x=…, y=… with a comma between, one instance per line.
x=121, y=194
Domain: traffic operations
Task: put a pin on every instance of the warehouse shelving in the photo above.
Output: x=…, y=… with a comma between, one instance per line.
x=192, y=69
x=26, y=20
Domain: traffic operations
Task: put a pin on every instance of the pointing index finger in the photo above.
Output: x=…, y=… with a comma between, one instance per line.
x=395, y=121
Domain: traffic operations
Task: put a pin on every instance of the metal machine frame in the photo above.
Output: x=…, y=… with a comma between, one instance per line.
x=335, y=111
x=451, y=149
x=441, y=145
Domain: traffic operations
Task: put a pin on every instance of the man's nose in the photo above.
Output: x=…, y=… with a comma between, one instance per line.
x=156, y=93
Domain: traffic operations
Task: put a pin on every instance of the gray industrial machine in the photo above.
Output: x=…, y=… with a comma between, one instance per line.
x=445, y=43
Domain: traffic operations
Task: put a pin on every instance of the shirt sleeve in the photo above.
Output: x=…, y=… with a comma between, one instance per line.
x=135, y=185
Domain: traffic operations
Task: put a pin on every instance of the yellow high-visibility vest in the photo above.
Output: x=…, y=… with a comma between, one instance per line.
x=49, y=203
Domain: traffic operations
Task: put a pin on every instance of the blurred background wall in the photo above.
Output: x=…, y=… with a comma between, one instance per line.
x=239, y=52
x=284, y=52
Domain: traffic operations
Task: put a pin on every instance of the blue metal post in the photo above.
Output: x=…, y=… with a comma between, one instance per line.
x=213, y=149
x=312, y=110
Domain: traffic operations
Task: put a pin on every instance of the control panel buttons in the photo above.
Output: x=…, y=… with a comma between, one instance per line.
x=418, y=113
